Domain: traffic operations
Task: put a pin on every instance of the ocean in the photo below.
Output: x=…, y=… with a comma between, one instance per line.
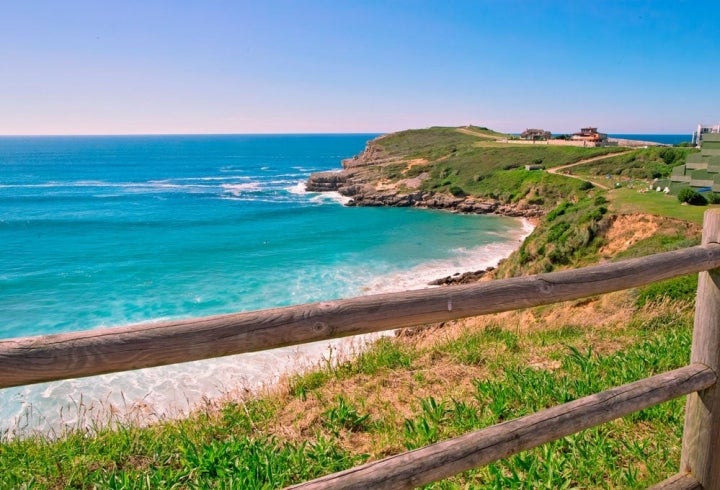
x=666, y=139
x=109, y=230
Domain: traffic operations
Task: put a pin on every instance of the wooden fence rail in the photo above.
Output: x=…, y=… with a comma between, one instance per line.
x=446, y=458
x=46, y=358
x=71, y=355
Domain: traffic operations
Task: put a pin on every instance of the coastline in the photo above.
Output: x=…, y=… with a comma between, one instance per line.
x=361, y=181
x=152, y=395
x=155, y=394
x=632, y=143
x=362, y=191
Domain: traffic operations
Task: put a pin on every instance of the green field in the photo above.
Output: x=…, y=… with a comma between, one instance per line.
x=646, y=163
x=627, y=201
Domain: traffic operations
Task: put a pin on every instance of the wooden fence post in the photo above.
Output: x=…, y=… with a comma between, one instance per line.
x=701, y=437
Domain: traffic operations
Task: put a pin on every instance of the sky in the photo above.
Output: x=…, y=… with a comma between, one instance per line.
x=362, y=66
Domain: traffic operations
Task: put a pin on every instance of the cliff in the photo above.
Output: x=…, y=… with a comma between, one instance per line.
x=425, y=169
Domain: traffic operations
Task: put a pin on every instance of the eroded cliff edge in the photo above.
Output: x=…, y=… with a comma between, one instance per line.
x=379, y=177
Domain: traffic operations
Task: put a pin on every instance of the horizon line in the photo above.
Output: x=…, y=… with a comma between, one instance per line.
x=40, y=135
x=292, y=133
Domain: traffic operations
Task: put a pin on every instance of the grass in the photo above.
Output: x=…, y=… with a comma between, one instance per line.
x=628, y=201
x=472, y=376
x=507, y=186
x=665, y=240
x=633, y=173
x=432, y=143
x=647, y=164
x=569, y=235
x=679, y=288
x=206, y=450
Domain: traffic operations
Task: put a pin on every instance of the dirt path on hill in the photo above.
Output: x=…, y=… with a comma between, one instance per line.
x=475, y=133
x=557, y=170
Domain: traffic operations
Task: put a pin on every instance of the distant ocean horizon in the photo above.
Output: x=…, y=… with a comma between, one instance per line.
x=668, y=139
x=665, y=139
x=101, y=231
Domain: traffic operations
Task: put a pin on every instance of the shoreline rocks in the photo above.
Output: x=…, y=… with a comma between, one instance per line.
x=362, y=192
x=458, y=278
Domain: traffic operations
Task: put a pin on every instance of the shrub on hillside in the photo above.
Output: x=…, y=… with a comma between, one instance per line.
x=457, y=191
x=669, y=156
x=538, y=201
x=558, y=211
x=713, y=198
x=586, y=185
x=691, y=196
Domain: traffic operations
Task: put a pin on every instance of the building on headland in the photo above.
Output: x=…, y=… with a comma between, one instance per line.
x=536, y=135
x=702, y=130
x=701, y=170
x=587, y=137
x=590, y=135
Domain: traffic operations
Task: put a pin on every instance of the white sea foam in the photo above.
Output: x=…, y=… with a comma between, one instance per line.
x=317, y=197
x=148, y=395
x=239, y=189
x=274, y=198
x=45, y=185
x=234, y=182
x=299, y=188
x=331, y=196
x=463, y=260
x=212, y=178
x=150, y=186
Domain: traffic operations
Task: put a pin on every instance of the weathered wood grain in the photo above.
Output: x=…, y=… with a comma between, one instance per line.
x=444, y=459
x=701, y=436
x=70, y=355
x=678, y=482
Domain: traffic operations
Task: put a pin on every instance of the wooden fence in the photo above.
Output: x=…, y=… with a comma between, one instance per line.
x=70, y=355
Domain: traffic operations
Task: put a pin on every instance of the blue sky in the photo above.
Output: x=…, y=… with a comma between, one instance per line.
x=155, y=66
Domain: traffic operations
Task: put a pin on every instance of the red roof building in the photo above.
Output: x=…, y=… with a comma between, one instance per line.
x=590, y=135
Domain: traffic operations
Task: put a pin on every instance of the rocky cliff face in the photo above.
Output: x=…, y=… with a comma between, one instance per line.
x=365, y=193
x=326, y=182
x=374, y=154
x=361, y=180
x=433, y=200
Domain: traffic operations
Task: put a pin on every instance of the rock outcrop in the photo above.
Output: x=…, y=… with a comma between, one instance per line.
x=464, y=278
x=361, y=180
x=326, y=182
x=373, y=154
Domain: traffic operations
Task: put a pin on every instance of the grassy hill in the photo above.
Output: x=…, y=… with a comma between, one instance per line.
x=438, y=381
x=645, y=163
x=463, y=163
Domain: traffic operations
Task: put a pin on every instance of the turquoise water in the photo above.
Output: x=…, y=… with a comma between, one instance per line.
x=100, y=231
